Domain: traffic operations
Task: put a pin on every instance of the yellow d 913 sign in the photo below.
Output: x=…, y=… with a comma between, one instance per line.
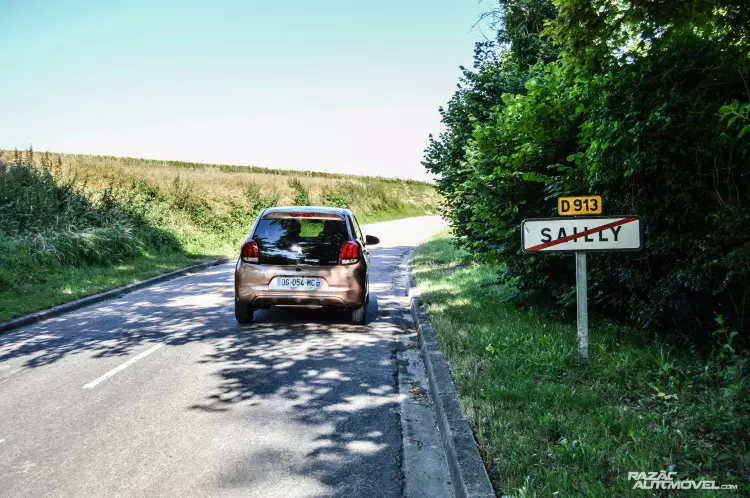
x=577, y=206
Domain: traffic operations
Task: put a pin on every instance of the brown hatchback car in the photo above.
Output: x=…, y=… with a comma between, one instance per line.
x=303, y=256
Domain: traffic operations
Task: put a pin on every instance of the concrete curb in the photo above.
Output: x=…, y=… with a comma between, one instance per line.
x=468, y=475
x=110, y=294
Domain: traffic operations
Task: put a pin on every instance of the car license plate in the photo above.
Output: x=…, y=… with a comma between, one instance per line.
x=296, y=283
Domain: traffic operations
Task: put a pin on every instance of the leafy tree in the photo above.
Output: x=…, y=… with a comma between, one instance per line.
x=644, y=105
x=519, y=25
x=500, y=68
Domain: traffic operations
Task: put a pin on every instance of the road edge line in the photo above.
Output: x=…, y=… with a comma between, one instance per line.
x=60, y=309
x=468, y=474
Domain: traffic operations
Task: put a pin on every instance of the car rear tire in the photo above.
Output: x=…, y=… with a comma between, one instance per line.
x=359, y=315
x=243, y=312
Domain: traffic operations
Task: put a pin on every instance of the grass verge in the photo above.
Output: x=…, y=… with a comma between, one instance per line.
x=71, y=283
x=546, y=425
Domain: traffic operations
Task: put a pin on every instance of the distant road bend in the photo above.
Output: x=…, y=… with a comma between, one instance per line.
x=161, y=392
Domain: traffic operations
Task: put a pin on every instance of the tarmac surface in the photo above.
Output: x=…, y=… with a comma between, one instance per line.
x=162, y=392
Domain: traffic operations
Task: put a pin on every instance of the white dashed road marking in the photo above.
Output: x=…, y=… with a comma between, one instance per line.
x=125, y=365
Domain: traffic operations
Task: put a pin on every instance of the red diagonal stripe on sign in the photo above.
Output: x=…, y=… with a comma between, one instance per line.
x=581, y=234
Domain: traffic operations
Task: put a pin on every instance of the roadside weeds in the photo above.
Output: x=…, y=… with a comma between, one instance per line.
x=546, y=425
x=110, y=294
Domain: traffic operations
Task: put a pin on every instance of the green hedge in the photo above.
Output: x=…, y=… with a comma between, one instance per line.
x=644, y=106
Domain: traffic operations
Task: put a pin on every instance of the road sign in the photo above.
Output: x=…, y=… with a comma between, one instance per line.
x=577, y=206
x=581, y=235
x=592, y=233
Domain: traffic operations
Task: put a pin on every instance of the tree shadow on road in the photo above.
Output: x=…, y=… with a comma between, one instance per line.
x=332, y=382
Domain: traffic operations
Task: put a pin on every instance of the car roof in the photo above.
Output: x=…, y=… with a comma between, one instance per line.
x=309, y=209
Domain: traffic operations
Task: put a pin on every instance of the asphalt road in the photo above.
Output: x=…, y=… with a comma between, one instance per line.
x=160, y=392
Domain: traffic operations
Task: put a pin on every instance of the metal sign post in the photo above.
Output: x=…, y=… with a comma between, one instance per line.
x=581, y=235
x=582, y=303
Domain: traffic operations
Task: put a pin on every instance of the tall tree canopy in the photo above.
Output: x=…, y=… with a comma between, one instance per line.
x=644, y=102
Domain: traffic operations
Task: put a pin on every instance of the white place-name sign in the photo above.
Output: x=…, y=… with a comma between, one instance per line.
x=593, y=233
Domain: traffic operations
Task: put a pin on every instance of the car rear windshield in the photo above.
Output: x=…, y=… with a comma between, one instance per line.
x=307, y=241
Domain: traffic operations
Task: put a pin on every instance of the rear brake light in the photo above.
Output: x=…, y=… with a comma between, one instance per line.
x=250, y=252
x=349, y=253
x=302, y=215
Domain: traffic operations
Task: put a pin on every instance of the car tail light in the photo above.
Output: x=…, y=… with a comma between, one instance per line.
x=250, y=252
x=302, y=215
x=349, y=253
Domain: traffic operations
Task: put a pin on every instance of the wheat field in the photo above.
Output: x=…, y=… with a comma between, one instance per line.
x=218, y=185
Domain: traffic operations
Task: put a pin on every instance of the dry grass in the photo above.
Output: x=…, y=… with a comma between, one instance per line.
x=221, y=184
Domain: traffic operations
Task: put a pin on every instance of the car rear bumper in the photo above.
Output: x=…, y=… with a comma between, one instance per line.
x=342, y=286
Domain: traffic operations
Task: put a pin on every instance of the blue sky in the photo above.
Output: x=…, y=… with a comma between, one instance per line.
x=346, y=86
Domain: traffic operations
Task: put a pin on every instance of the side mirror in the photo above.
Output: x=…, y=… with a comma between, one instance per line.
x=371, y=240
